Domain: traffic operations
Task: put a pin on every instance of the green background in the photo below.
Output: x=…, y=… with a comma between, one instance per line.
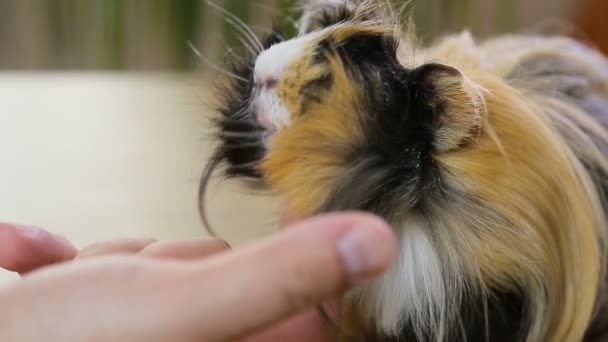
x=153, y=34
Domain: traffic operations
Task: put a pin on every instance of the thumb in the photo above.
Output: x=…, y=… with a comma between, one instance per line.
x=306, y=265
x=221, y=298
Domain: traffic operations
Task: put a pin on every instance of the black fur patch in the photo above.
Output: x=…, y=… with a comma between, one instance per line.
x=334, y=15
x=390, y=170
x=312, y=91
x=241, y=140
x=503, y=323
x=342, y=12
x=392, y=167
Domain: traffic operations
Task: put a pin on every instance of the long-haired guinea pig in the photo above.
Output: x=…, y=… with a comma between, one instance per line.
x=488, y=160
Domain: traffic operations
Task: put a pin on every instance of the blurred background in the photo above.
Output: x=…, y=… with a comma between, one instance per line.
x=153, y=34
x=103, y=106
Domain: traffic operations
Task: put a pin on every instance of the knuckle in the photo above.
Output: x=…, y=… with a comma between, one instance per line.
x=302, y=287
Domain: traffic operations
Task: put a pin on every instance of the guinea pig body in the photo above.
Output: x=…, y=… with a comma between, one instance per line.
x=488, y=159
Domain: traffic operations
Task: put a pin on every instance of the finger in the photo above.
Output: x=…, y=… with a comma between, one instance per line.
x=184, y=250
x=304, y=266
x=26, y=248
x=309, y=326
x=223, y=298
x=123, y=246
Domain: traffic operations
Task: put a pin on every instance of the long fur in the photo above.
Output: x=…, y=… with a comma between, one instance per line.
x=489, y=160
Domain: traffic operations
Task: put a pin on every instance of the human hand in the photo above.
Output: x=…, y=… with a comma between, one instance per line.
x=24, y=249
x=28, y=248
x=245, y=294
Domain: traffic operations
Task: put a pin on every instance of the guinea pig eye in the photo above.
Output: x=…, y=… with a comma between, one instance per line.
x=312, y=89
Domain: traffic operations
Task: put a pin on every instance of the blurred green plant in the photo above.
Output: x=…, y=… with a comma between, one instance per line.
x=153, y=34
x=113, y=33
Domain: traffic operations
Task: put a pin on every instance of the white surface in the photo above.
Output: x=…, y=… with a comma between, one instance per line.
x=100, y=156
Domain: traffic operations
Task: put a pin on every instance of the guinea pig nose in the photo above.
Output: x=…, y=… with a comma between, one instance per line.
x=261, y=111
x=267, y=83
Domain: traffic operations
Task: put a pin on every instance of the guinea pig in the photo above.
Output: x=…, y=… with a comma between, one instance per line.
x=487, y=158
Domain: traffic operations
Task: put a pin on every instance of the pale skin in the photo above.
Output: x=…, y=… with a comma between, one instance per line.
x=148, y=290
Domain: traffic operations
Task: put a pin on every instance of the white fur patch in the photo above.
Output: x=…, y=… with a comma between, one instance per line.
x=269, y=69
x=272, y=63
x=413, y=290
x=271, y=113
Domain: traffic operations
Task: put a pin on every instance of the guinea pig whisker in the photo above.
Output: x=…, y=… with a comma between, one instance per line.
x=245, y=42
x=243, y=134
x=248, y=164
x=405, y=8
x=243, y=142
x=243, y=113
x=230, y=52
x=244, y=146
x=215, y=66
x=243, y=37
x=244, y=121
x=202, y=192
x=244, y=28
x=228, y=134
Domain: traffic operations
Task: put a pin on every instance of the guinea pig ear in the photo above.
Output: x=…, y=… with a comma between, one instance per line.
x=457, y=104
x=319, y=14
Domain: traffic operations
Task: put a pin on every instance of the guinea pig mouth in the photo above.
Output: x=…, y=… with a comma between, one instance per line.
x=269, y=136
x=269, y=128
x=263, y=119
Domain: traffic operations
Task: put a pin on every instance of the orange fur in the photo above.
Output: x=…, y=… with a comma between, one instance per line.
x=305, y=158
x=507, y=140
x=552, y=206
x=550, y=243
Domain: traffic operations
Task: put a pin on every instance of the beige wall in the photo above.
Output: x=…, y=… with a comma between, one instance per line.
x=101, y=156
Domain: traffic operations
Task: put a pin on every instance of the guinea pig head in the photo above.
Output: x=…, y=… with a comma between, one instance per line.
x=491, y=207
x=349, y=126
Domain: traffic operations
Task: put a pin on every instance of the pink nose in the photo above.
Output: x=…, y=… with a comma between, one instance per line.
x=267, y=82
x=261, y=112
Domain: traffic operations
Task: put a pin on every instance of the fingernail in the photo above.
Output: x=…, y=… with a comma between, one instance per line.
x=34, y=233
x=365, y=253
x=30, y=232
